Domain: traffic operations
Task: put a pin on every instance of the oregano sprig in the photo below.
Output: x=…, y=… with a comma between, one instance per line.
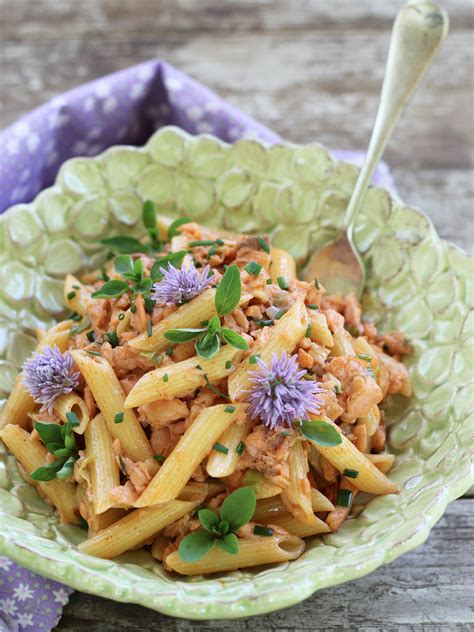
x=219, y=528
x=61, y=443
x=123, y=244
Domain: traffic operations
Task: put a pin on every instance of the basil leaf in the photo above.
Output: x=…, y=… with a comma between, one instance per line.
x=126, y=245
x=172, y=232
x=175, y=258
x=208, y=345
x=321, y=432
x=228, y=291
x=214, y=325
x=239, y=507
x=49, y=433
x=111, y=289
x=47, y=472
x=182, y=335
x=123, y=264
x=149, y=215
x=145, y=285
x=208, y=519
x=229, y=543
x=66, y=471
x=195, y=545
x=233, y=338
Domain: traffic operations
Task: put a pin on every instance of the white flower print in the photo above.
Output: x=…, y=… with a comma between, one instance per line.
x=204, y=128
x=32, y=142
x=174, y=85
x=212, y=107
x=5, y=563
x=61, y=596
x=195, y=113
x=13, y=146
x=23, y=592
x=8, y=606
x=102, y=90
x=145, y=72
x=21, y=130
x=110, y=105
x=25, y=619
x=137, y=91
x=89, y=104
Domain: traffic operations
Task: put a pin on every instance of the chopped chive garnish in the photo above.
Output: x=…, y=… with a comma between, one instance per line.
x=263, y=245
x=133, y=309
x=82, y=524
x=96, y=353
x=76, y=287
x=365, y=356
x=202, y=242
x=159, y=457
x=279, y=314
x=204, y=323
x=337, y=389
x=121, y=316
x=240, y=448
x=71, y=295
x=148, y=328
x=75, y=316
x=253, y=268
x=149, y=305
x=265, y=323
x=122, y=465
x=316, y=284
x=218, y=447
x=118, y=418
x=253, y=358
x=228, y=364
x=350, y=473
x=198, y=366
x=311, y=306
x=214, y=389
x=90, y=335
x=344, y=498
x=72, y=419
x=212, y=251
x=282, y=282
x=269, y=281
x=165, y=377
x=308, y=331
x=229, y=409
x=220, y=242
x=369, y=372
x=169, y=351
x=112, y=337
x=259, y=530
x=285, y=433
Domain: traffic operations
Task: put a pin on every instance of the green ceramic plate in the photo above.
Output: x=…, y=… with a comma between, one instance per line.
x=416, y=282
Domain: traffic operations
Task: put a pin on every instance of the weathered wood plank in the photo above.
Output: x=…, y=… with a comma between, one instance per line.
x=431, y=588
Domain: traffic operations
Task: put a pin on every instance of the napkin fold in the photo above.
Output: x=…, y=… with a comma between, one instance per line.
x=123, y=108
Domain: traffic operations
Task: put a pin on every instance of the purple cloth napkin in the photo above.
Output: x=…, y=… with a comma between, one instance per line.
x=123, y=108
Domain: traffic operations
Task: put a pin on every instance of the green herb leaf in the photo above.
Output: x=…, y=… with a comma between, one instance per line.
x=208, y=345
x=214, y=325
x=350, y=473
x=66, y=471
x=195, y=545
x=264, y=245
x=233, y=338
x=111, y=289
x=172, y=230
x=283, y=283
x=229, y=543
x=182, y=335
x=123, y=244
x=159, y=457
x=229, y=409
x=321, y=432
x=239, y=507
x=62, y=453
x=223, y=527
x=47, y=472
x=208, y=518
x=202, y=242
x=149, y=215
x=123, y=264
x=49, y=433
x=228, y=291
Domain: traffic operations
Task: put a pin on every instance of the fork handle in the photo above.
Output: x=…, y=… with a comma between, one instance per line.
x=418, y=32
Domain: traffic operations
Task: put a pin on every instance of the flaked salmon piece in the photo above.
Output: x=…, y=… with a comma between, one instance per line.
x=200, y=475
x=128, y=383
x=305, y=360
x=378, y=438
x=334, y=320
x=123, y=496
x=161, y=413
x=139, y=319
x=348, y=307
x=90, y=402
x=267, y=451
x=394, y=343
x=161, y=312
x=178, y=528
x=125, y=359
x=163, y=439
x=330, y=406
x=314, y=294
x=255, y=311
x=99, y=311
x=237, y=320
x=204, y=399
x=396, y=375
x=141, y=473
x=370, y=331
x=184, y=350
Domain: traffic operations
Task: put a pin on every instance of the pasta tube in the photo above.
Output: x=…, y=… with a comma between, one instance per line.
x=32, y=454
x=347, y=456
x=110, y=399
x=135, y=528
x=104, y=472
x=221, y=464
x=297, y=496
x=282, y=265
x=262, y=487
x=74, y=294
x=383, y=462
x=270, y=508
x=96, y=522
x=284, y=336
x=254, y=552
x=158, y=547
x=194, y=445
x=72, y=403
x=182, y=378
x=297, y=527
x=342, y=344
x=320, y=331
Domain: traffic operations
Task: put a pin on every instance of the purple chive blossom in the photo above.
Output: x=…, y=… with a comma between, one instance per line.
x=48, y=375
x=279, y=395
x=179, y=286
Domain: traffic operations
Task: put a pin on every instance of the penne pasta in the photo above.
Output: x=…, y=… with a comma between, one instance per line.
x=221, y=464
x=342, y=344
x=110, y=398
x=371, y=420
x=32, y=454
x=283, y=337
x=262, y=487
x=347, y=456
x=135, y=528
x=183, y=378
x=75, y=295
x=96, y=522
x=252, y=552
x=158, y=547
x=297, y=527
x=282, y=265
x=72, y=403
x=270, y=508
x=335, y=518
x=384, y=462
x=103, y=470
x=297, y=496
x=320, y=331
x=193, y=446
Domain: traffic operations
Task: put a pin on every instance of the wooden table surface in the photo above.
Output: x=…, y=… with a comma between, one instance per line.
x=311, y=70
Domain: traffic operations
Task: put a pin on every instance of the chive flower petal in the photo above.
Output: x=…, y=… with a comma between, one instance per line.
x=180, y=285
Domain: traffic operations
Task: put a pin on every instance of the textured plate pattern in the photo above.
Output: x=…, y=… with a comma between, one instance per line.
x=416, y=282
